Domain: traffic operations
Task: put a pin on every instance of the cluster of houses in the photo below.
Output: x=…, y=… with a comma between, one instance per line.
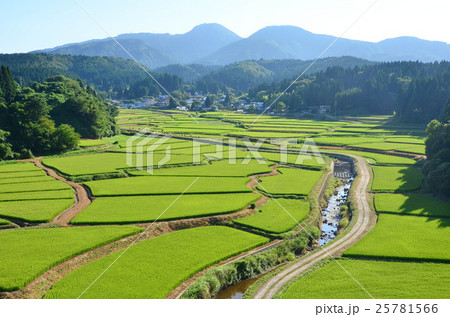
x=197, y=102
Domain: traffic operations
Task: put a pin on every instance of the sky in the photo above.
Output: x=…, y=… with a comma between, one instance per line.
x=28, y=25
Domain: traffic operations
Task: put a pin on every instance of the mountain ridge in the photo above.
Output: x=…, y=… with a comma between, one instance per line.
x=214, y=44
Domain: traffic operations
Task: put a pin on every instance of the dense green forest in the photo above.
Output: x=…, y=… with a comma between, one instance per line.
x=437, y=168
x=416, y=91
x=49, y=117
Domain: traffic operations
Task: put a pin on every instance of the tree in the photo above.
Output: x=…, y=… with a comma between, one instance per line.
x=281, y=107
x=208, y=102
x=5, y=147
x=65, y=138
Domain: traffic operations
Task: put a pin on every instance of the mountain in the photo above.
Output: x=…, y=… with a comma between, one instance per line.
x=213, y=44
x=155, y=50
x=279, y=42
x=139, y=49
x=105, y=73
x=184, y=48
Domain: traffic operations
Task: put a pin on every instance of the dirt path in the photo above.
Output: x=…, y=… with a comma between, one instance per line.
x=82, y=199
x=364, y=223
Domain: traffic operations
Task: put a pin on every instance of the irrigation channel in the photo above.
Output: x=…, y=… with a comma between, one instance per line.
x=331, y=216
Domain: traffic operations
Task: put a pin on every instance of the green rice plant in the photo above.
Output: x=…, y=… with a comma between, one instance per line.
x=405, y=237
x=133, y=209
x=37, y=195
x=26, y=179
x=152, y=268
x=394, y=178
x=34, y=210
x=412, y=204
x=379, y=158
x=293, y=159
x=275, y=219
x=159, y=185
x=381, y=279
x=51, y=184
x=100, y=163
x=224, y=168
x=292, y=181
x=27, y=253
x=17, y=167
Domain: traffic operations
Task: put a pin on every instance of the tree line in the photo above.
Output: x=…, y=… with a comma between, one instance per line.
x=49, y=117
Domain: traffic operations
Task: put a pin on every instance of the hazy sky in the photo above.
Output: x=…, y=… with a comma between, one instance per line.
x=27, y=25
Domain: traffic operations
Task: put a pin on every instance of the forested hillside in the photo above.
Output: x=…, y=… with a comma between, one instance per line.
x=49, y=117
x=416, y=91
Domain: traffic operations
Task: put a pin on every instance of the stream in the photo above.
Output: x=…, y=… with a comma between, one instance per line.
x=330, y=223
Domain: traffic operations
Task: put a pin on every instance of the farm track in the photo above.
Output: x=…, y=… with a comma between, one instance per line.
x=82, y=199
x=364, y=223
x=43, y=283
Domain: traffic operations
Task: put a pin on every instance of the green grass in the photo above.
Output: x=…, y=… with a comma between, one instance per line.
x=294, y=159
x=405, y=237
x=134, y=209
x=46, y=194
x=393, y=178
x=292, y=181
x=4, y=222
x=273, y=218
x=34, y=210
x=17, y=167
x=159, y=185
x=379, y=158
x=51, y=184
x=101, y=163
x=27, y=253
x=216, y=168
x=412, y=204
x=26, y=179
x=381, y=279
x=5, y=176
x=388, y=146
x=152, y=268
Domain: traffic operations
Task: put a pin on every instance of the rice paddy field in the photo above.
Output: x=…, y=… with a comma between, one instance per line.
x=291, y=181
x=405, y=237
x=411, y=280
x=134, y=209
x=214, y=183
x=26, y=253
x=28, y=194
x=273, y=218
x=396, y=179
x=412, y=204
x=141, y=274
x=159, y=185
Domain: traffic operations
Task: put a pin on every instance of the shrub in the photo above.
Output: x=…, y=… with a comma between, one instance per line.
x=343, y=223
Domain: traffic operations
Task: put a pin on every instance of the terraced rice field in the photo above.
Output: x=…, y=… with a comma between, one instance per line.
x=28, y=194
x=378, y=158
x=159, y=185
x=134, y=209
x=411, y=280
x=392, y=179
x=215, y=169
x=405, y=237
x=292, y=181
x=152, y=268
x=26, y=253
x=412, y=204
x=276, y=219
x=101, y=163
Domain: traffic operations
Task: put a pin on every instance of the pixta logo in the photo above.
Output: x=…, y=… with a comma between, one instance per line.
x=141, y=149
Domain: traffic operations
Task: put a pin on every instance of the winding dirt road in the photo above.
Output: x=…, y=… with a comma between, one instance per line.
x=364, y=224
x=82, y=199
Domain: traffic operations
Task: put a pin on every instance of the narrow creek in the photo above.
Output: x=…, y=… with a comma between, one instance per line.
x=331, y=216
